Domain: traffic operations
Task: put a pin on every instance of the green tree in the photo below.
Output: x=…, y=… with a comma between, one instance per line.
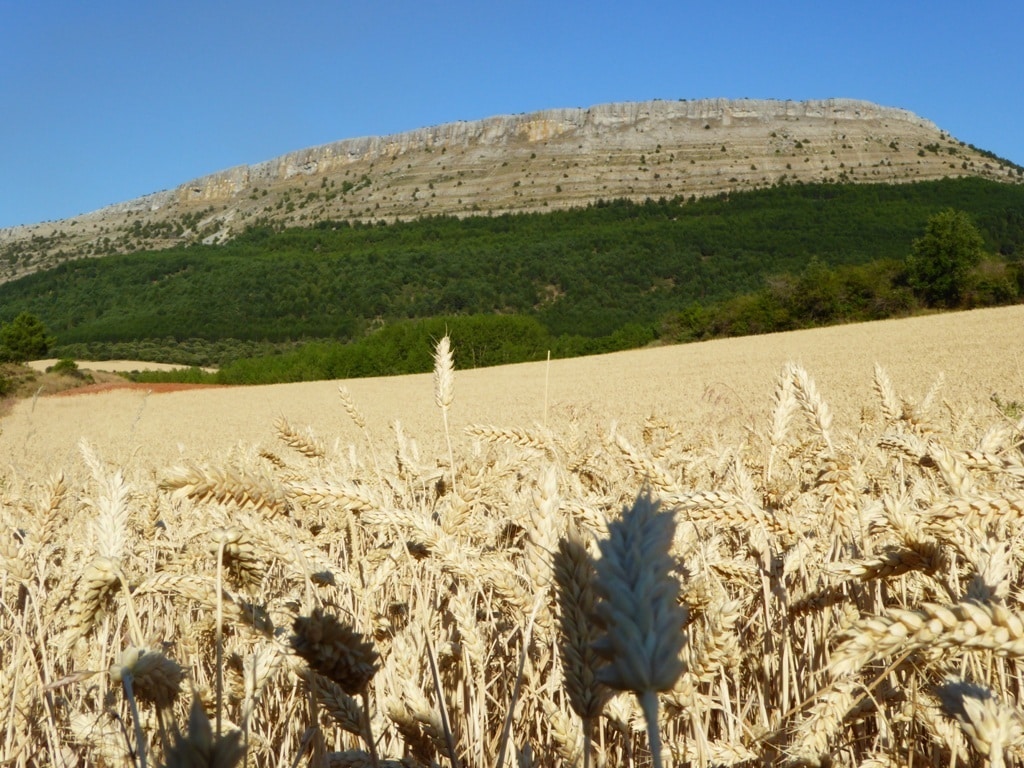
x=941, y=260
x=818, y=296
x=24, y=338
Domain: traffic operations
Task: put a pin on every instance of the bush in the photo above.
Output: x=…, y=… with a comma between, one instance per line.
x=991, y=283
x=66, y=366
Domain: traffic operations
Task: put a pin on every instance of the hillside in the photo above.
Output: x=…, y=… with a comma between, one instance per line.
x=568, y=280
x=553, y=159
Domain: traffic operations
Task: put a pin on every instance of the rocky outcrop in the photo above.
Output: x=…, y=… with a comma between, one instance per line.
x=555, y=158
x=596, y=124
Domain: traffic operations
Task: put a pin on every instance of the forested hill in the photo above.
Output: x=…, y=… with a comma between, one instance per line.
x=632, y=269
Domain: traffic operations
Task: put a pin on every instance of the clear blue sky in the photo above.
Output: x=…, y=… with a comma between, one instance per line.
x=104, y=101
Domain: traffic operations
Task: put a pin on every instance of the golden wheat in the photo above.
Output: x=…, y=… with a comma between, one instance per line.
x=827, y=565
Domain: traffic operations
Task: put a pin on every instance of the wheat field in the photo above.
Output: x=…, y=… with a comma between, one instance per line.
x=798, y=549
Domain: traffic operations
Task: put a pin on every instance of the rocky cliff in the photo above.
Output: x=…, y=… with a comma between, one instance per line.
x=539, y=161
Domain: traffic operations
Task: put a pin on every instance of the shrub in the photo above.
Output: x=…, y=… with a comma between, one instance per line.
x=65, y=366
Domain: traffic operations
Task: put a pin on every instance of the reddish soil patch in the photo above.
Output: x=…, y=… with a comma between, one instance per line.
x=157, y=388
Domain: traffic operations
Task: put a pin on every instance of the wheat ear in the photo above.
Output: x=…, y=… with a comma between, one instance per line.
x=988, y=724
x=969, y=625
x=306, y=444
x=226, y=486
x=154, y=677
x=637, y=608
x=574, y=576
x=888, y=398
x=357, y=417
x=784, y=408
x=813, y=404
x=574, y=579
x=342, y=655
x=200, y=747
x=444, y=391
x=237, y=550
x=146, y=676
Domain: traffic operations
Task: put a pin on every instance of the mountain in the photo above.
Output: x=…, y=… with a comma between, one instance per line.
x=545, y=160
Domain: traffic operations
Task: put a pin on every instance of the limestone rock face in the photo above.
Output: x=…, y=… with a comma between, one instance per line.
x=619, y=126
x=555, y=158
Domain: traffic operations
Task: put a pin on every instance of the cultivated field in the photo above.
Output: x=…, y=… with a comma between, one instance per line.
x=834, y=573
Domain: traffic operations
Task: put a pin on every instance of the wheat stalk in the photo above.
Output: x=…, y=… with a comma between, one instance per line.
x=444, y=391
